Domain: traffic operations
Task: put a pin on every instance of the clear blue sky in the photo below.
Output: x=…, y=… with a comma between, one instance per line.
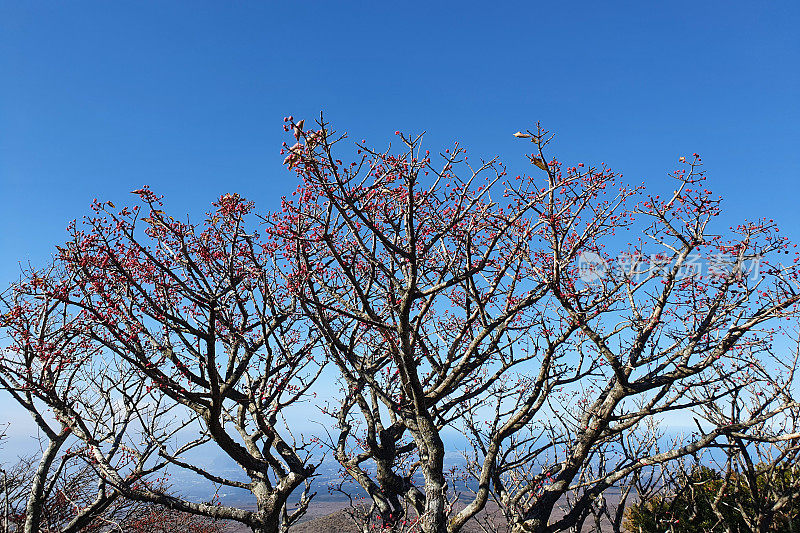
x=99, y=98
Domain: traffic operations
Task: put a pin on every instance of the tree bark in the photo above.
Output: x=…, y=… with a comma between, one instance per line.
x=434, y=519
x=33, y=508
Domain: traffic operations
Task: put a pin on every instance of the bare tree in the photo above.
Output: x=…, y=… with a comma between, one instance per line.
x=605, y=511
x=419, y=281
x=665, y=335
x=760, y=482
x=198, y=316
x=453, y=296
x=641, y=484
x=748, y=482
x=72, y=489
x=52, y=368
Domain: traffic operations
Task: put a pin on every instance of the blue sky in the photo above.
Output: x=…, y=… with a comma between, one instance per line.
x=99, y=98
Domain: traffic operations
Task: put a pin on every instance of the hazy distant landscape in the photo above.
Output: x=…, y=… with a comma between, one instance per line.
x=328, y=517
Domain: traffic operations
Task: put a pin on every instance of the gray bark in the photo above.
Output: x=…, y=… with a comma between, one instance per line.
x=33, y=508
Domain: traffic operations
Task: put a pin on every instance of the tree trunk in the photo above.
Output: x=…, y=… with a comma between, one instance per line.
x=6, y=506
x=434, y=520
x=538, y=516
x=269, y=523
x=268, y=517
x=35, y=504
x=528, y=526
